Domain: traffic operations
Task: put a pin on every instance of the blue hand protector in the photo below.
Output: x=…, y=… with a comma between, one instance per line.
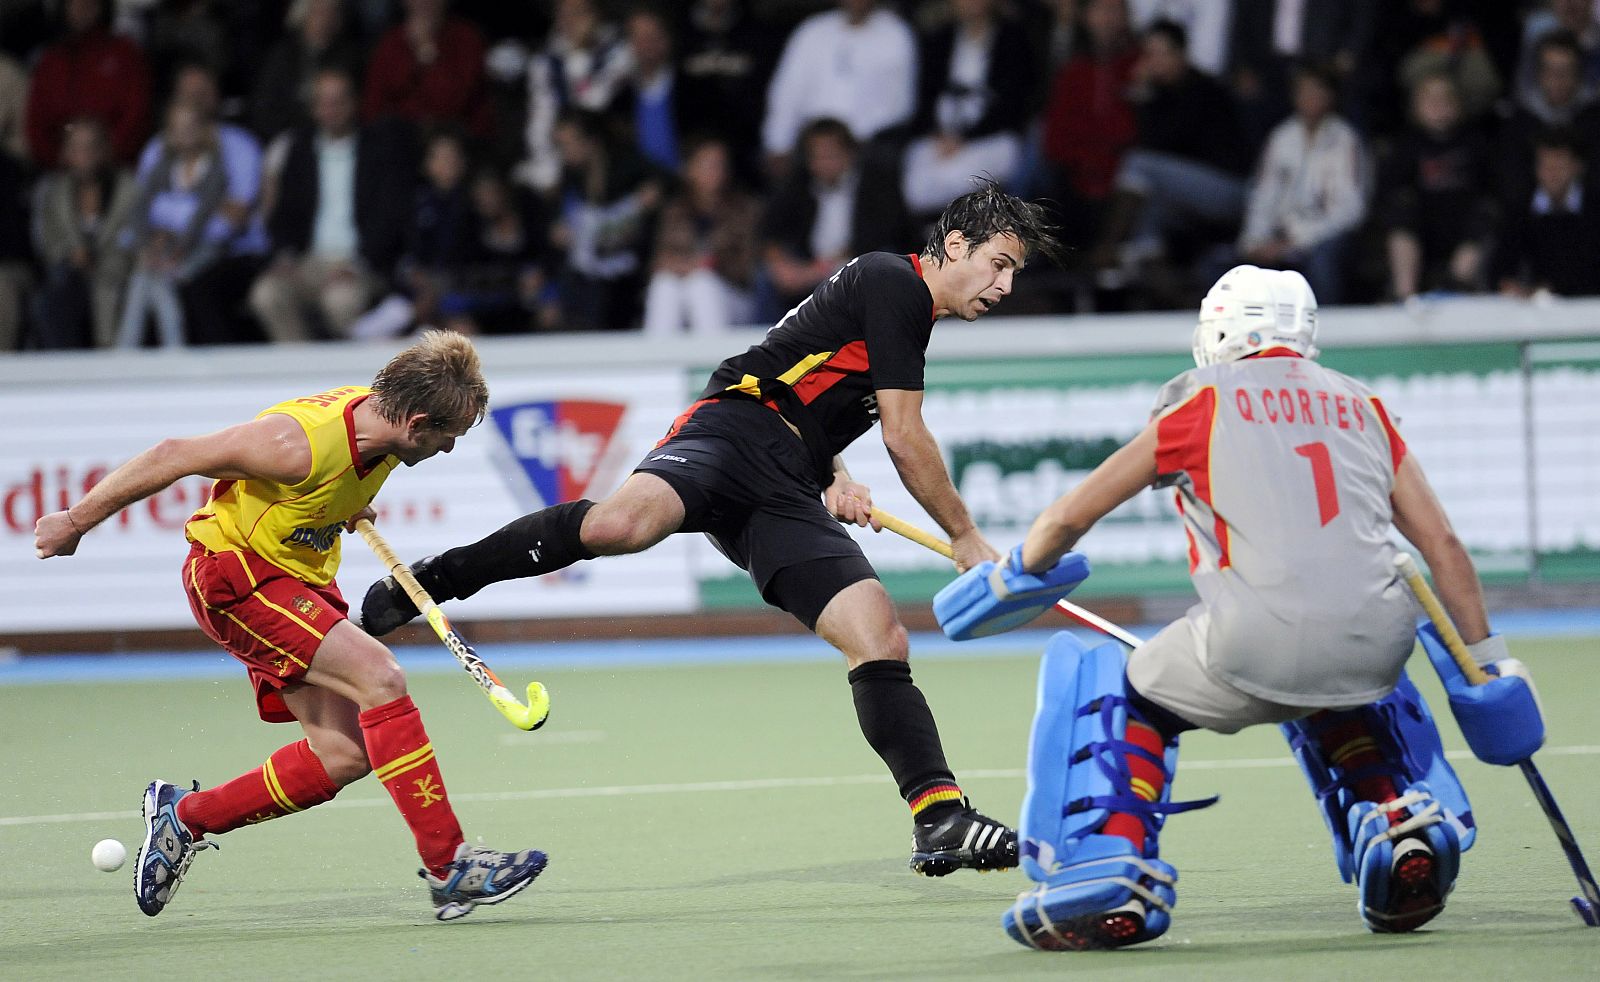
x=1501, y=718
x=991, y=598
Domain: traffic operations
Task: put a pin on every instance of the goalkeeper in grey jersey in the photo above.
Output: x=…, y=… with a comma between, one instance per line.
x=1288, y=477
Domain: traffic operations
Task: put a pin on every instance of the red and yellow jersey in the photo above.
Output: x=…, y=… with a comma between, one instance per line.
x=296, y=527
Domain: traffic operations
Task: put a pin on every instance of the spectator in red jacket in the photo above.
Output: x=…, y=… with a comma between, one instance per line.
x=429, y=69
x=89, y=72
x=1089, y=120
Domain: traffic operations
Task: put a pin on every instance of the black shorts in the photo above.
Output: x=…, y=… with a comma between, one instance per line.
x=747, y=482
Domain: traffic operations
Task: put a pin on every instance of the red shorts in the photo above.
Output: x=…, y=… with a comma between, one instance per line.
x=263, y=616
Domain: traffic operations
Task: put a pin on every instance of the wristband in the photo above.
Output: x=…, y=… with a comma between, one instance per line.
x=1490, y=650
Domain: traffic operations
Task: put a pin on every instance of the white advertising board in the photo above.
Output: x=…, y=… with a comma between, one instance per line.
x=549, y=436
x=1499, y=399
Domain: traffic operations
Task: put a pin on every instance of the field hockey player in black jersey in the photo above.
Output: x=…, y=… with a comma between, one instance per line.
x=754, y=464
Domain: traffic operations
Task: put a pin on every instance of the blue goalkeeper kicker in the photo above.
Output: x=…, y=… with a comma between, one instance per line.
x=991, y=598
x=1407, y=727
x=1431, y=806
x=1077, y=776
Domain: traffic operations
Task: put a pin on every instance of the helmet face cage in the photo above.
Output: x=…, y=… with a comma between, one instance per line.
x=1250, y=310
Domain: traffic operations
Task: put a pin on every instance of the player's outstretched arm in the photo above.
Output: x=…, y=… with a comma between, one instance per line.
x=273, y=448
x=916, y=457
x=1059, y=527
x=1421, y=519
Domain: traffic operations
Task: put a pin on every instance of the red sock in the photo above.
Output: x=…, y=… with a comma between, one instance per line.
x=1349, y=745
x=293, y=779
x=1148, y=780
x=402, y=758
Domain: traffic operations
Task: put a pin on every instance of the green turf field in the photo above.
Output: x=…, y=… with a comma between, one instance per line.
x=729, y=822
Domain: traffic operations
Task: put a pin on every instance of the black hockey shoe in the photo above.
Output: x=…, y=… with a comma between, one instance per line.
x=386, y=605
x=963, y=839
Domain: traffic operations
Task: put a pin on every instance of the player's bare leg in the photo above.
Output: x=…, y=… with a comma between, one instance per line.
x=633, y=518
x=948, y=833
x=332, y=725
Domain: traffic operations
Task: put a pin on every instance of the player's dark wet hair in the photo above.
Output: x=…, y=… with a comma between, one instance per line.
x=988, y=211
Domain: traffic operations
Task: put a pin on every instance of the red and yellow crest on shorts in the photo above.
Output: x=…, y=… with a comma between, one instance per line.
x=307, y=607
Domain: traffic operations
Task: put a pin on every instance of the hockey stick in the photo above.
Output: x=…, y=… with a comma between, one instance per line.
x=529, y=717
x=1588, y=905
x=907, y=530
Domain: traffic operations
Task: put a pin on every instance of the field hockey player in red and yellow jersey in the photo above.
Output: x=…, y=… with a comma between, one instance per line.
x=260, y=579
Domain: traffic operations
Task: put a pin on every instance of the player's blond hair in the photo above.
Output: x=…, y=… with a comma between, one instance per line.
x=438, y=376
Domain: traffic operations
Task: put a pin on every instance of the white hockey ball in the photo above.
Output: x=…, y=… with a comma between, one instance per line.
x=108, y=855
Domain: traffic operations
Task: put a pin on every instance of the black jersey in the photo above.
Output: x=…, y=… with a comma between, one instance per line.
x=865, y=328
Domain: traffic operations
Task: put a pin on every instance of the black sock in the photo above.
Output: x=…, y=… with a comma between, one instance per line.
x=533, y=545
x=896, y=721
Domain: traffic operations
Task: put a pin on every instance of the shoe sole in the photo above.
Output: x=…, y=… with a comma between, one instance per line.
x=1414, y=898
x=145, y=808
x=143, y=851
x=936, y=864
x=1092, y=932
x=452, y=910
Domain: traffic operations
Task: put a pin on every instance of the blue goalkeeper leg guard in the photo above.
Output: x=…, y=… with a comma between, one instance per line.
x=1404, y=852
x=1095, y=890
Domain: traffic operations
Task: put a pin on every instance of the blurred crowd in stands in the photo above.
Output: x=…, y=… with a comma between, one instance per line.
x=195, y=172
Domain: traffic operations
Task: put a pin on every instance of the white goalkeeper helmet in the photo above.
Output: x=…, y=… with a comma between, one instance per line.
x=1250, y=310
